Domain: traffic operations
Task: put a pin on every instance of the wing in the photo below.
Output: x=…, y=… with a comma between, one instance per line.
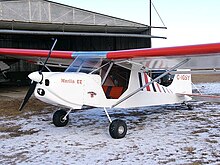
x=57, y=58
x=205, y=56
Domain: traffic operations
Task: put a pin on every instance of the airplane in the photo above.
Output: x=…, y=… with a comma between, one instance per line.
x=116, y=79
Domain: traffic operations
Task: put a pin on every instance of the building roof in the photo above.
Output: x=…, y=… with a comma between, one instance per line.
x=54, y=18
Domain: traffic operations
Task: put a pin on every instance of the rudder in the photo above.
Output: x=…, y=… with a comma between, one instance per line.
x=182, y=83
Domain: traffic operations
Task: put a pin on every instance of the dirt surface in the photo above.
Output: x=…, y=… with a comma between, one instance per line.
x=205, y=78
x=11, y=98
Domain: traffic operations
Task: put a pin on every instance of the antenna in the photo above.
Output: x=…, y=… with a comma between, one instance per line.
x=151, y=4
x=150, y=22
x=150, y=19
x=150, y=7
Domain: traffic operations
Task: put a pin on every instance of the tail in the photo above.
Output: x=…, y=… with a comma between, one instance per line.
x=182, y=83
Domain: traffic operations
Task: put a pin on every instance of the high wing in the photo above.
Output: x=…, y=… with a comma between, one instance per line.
x=205, y=56
x=57, y=58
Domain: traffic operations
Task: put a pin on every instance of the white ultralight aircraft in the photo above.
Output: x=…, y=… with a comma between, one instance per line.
x=116, y=79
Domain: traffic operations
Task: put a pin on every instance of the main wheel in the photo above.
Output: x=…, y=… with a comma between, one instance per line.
x=118, y=129
x=58, y=118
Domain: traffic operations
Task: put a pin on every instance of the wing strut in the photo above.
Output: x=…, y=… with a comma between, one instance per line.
x=107, y=72
x=151, y=82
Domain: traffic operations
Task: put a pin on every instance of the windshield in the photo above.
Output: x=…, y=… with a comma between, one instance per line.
x=84, y=64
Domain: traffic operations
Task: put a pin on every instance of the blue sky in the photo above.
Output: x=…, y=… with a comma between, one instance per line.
x=188, y=21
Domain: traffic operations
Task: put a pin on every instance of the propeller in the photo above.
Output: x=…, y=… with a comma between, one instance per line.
x=28, y=95
x=55, y=41
x=36, y=77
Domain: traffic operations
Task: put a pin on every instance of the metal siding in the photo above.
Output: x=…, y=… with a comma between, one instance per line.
x=75, y=43
x=51, y=12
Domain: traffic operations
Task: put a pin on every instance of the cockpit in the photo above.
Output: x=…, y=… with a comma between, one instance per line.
x=114, y=75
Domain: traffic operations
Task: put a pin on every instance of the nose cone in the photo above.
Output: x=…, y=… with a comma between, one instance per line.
x=36, y=76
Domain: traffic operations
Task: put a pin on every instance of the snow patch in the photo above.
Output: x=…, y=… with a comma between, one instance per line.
x=156, y=135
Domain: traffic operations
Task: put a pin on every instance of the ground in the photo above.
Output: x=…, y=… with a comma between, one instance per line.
x=197, y=78
x=156, y=135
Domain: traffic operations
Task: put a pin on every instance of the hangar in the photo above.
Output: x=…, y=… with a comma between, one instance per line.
x=32, y=24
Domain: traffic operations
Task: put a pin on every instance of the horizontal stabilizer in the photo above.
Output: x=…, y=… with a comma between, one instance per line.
x=206, y=98
x=199, y=71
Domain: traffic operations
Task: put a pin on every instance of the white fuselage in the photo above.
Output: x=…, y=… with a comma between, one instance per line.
x=74, y=90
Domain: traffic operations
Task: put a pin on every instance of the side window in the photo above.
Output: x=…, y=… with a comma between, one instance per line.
x=115, y=80
x=117, y=76
x=166, y=80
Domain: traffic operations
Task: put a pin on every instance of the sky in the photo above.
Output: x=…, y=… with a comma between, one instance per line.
x=188, y=22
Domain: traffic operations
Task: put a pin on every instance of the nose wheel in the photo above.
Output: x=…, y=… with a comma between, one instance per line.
x=60, y=118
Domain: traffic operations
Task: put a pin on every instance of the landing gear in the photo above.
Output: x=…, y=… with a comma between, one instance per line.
x=189, y=106
x=60, y=118
x=118, y=129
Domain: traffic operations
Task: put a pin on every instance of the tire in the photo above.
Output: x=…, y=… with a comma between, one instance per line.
x=118, y=129
x=58, y=118
x=190, y=107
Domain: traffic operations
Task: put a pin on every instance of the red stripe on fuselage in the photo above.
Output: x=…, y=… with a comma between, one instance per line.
x=158, y=86
x=146, y=81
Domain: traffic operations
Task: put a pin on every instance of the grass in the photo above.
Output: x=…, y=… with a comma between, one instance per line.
x=205, y=78
x=211, y=141
x=14, y=130
x=189, y=150
x=9, y=111
x=9, y=107
x=200, y=131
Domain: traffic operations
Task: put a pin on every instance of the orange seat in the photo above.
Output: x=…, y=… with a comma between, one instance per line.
x=113, y=92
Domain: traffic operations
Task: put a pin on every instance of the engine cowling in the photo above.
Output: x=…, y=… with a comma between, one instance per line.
x=71, y=89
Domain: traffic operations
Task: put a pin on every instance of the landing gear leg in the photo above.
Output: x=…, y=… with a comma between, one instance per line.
x=117, y=128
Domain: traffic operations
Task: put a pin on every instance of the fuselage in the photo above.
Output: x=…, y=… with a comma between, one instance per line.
x=75, y=89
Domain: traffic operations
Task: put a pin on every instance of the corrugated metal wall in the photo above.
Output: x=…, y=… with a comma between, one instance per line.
x=75, y=43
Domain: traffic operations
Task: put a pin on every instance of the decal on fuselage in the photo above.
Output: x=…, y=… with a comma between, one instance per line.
x=71, y=81
x=155, y=87
x=183, y=77
x=92, y=94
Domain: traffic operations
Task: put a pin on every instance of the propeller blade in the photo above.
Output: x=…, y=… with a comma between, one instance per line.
x=36, y=77
x=54, y=43
x=28, y=95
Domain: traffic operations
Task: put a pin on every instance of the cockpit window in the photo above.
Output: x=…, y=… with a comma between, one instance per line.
x=165, y=81
x=84, y=64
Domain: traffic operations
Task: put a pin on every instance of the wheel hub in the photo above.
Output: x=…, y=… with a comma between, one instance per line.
x=121, y=130
x=62, y=119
